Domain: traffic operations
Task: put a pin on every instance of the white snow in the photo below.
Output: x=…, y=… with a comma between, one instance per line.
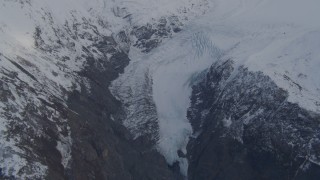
x=171, y=67
x=64, y=147
x=281, y=38
x=18, y=20
x=227, y=122
x=17, y=26
x=178, y=61
x=278, y=37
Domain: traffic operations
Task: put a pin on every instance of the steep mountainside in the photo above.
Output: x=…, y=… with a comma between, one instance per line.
x=245, y=127
x=275, y=42
x=149, y=89
x=57, y=59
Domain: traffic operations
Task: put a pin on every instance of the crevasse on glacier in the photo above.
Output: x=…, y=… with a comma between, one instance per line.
x=170, y=68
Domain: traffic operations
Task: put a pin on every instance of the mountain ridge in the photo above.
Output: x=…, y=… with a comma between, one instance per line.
x=87, y=87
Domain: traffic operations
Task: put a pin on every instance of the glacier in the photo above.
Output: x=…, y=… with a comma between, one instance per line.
x=47, y=43
x=171, y=75
x=278, y=38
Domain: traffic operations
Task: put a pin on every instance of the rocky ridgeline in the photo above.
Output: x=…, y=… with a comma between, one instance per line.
x=245, y=128
x=59, y=118
x=60, y=131
x=139, y=114
x=150, y=36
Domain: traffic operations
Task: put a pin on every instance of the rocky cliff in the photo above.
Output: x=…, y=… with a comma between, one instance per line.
x=244, y=128
x=149, y=89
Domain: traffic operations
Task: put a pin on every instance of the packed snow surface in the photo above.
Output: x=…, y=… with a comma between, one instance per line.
x=172, y=78
x=170, y=67
x=281, y=38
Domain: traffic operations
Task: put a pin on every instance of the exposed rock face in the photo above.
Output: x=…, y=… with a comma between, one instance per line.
x=103, y=148
x=150, y=36
x=69, y=133
x=246, y=129
x=60, y=120
x=140, y=115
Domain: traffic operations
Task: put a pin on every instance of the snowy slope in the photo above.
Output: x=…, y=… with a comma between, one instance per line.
x=39, y=59
x=152, y=78
x=44, y=45
x=279, y=38
x=172, y=80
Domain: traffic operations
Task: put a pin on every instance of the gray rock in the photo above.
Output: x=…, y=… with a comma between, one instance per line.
x=248, y=130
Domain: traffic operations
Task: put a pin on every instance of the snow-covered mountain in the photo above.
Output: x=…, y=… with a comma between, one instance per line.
x=114, y=89
x=277, y=38
x=53, y=52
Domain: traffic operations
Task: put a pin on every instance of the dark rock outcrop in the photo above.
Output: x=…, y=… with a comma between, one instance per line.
x=246, y=129
x=151, y=35
x=103, y=148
